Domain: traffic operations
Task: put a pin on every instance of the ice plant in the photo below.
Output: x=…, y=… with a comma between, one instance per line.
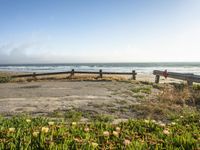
x=94, y=145
x=166, y=132
x=11, y=129
x=106, y=133
x=28, y=120
x=127, y=142
x=86, y=129
x=161, y=124
x=118, y=129
x=74, y=123
x=35, y=133
x=115, y=133
x=51, y=123
x=173, y=123
x=45, y=129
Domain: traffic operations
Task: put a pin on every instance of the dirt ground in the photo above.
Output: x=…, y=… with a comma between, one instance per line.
x=101, y=97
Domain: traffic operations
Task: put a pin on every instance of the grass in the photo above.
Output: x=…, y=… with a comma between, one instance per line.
x=146, y=90
x=41, y=133
x=72, y=115
x=103, y=118
x=196, y=87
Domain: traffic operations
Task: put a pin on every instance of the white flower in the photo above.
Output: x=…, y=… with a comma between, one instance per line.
x=161, y=124
x=28, y=120
x=74, y=123
x=115, y=133
x=11, y=129
x=118, y=129
x=94, y=144
x=86, y=129
x=106, y=133
x=45, y=129
x=153, y=121
x=173, y=123
x=146, y=121
x=51, y=123
x=35, y=134
x=127, y=142
x=166, y=132
x=181, y=116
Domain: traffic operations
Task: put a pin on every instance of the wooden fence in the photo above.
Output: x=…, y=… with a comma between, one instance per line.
x=189, y=77
x=73, y=72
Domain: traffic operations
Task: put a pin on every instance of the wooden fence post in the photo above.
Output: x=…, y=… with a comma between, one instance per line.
x=190, y=83
x=157, y=79
x=133, y=75
x=72, y=73
x=100, y=73
x=34, y=75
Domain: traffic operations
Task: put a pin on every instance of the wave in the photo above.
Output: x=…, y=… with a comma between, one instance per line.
x=115, y=67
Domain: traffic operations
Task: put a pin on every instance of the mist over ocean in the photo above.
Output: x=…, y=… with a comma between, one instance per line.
x=145, y=68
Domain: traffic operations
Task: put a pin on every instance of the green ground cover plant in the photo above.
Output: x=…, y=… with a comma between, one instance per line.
x=24, y=133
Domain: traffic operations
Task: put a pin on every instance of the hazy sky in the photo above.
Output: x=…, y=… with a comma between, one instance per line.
x=56, y=31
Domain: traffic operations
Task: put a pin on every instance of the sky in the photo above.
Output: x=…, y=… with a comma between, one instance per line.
x=83, y=31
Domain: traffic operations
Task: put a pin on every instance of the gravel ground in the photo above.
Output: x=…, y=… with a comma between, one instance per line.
x=110, y=97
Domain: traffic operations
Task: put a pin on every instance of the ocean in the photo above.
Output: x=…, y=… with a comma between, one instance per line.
x=145, y=68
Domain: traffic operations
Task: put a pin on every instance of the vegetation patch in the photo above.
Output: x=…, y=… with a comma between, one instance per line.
x=4, y=79
x=103, y=118
x=42, y=133
x=196, y=87
x=146, y=90
x=72, y=115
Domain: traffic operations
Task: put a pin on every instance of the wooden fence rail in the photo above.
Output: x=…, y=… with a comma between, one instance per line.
x=73, y=72
x=189, y=77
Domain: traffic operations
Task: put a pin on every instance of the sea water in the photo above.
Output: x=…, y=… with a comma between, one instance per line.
x=145, y=68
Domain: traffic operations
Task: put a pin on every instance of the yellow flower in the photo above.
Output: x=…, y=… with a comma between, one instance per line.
x=146, y=121
x=35, y=134
x=106, y=133
x=127, y=142
x=94, y=145
x=166, y=132
x=51, y=123
x=117, y=129
x=115, y=133
x=181, y=116
x=28, y=120
x=11, y=129
x=74, y=123
x=45, y=129
x=86, y=129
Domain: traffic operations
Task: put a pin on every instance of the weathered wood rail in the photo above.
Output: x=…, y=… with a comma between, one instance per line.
x=189, y=77
x=73, y=72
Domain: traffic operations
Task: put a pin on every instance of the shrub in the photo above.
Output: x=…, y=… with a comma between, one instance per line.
x=4, y=79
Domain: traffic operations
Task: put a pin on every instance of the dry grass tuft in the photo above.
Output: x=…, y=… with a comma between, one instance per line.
x=174, y=95
x=78, y=77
